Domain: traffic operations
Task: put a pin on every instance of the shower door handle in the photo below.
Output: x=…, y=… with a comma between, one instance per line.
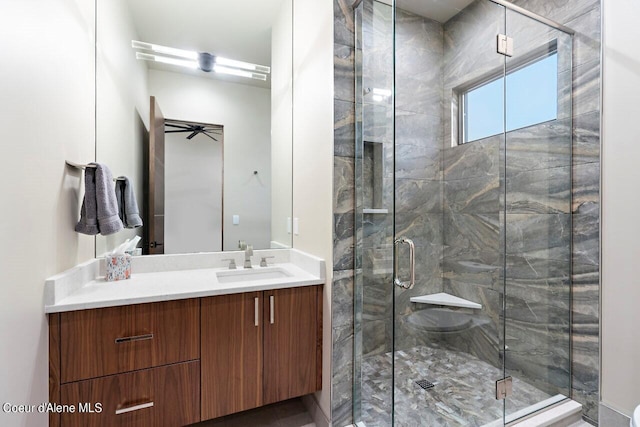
x=412, y=264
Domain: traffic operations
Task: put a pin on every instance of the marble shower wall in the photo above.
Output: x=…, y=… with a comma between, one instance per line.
x=538, y=212
x=417, y=198
x=342, y=314
x=583, y=16
x=376, y=115
x=418, y=165
x=472, y=261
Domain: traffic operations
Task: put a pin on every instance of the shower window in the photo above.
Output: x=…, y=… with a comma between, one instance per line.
x=531, y=98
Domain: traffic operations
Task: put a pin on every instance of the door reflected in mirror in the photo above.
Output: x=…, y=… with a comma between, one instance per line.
x=194, y=106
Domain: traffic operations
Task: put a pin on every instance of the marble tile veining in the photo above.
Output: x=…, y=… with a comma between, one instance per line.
x=344, y=73
x=464, y=394
x=343, y=28
x=344, y=128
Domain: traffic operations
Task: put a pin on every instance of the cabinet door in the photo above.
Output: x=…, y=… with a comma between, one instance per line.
x=292, y=340
x=231, y=354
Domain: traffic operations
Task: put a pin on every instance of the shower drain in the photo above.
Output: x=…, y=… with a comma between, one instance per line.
x=425, y=384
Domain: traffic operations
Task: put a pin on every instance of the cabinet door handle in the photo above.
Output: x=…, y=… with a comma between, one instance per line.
x=134, y=338
x=134, y=408
x=256, y=311
x=272, y=316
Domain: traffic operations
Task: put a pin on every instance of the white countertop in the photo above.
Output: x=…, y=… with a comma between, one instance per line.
x=171, y=277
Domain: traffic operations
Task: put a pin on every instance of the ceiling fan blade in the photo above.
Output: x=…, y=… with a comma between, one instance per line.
x=178, y=126
x=193, y=134
x=178, y=131
x=205, y=133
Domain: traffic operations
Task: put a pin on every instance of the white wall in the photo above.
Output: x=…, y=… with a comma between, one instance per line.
x=192, y=194
x=281, y=124
x=46, y=115
x=123, y=105
x=313, y=150
x=620, y=206
x=244, y=111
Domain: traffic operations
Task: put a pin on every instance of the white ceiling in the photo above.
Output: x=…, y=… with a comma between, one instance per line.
x=438, y=10
x=235, y=29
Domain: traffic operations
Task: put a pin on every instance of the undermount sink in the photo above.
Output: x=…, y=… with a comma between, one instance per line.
x=251, y=274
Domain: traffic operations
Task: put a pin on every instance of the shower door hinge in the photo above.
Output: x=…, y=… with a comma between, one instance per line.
x=504, y=388
x=505, y=45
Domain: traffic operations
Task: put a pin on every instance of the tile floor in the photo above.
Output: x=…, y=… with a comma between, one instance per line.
x=290, y=413
x=464, y=394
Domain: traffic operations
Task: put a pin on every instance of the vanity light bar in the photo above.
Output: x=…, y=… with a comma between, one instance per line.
x=166, y=60
x=165, y=49
x=242, y=65
x=191, y=60
x=234, y=72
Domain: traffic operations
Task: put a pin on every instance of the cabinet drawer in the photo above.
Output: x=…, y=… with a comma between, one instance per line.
x=107, y=341
x=165, y=396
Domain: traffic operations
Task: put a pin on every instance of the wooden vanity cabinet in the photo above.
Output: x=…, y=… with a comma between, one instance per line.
x=259, y=348
x=179, y=362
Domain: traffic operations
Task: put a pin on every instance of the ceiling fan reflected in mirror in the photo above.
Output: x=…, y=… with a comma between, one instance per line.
x=203, y=61
x=193, y=129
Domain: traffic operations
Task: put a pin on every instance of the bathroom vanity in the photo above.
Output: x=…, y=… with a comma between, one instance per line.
x=181, y=342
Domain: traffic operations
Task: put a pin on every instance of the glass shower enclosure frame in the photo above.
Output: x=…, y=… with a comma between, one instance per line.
x=462, y=288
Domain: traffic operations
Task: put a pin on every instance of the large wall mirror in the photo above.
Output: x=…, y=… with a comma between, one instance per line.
x=194, y=107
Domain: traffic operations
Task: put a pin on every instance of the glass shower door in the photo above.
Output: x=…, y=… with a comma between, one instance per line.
x=374, y=171
x=463, y=214
x=537, y=218
x=448, y=340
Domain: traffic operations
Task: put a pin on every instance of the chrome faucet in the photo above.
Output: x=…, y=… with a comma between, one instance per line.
x=248, y=252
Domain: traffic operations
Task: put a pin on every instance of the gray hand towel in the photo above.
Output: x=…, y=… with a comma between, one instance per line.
x=127, y=203
x=99, y=212
x=88, y=223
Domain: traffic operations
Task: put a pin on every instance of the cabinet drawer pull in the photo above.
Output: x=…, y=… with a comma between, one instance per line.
x=135, y=338
x=256, y=311
x=272, y=316
x=134, y=408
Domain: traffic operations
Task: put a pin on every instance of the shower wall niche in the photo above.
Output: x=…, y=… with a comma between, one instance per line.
x=373, y=178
